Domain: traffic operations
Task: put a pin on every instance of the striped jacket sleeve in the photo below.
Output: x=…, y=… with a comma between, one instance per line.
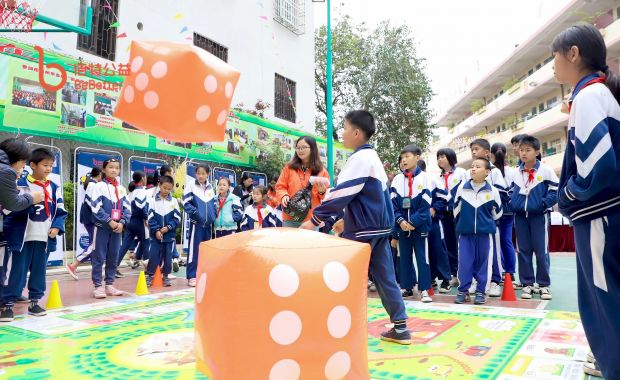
x=497, y=205
x=458, y=199
x=189, y=205
x=176, y=219
x=440, y=196
x=61, y=214
x=594, y=153
x=551, y=181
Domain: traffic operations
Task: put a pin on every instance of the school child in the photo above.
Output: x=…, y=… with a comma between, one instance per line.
x=450, y=178
x=437, y=250
x=363, y=193
x=86, y=218
x=259, y=214
x=164, y=218
x=411, y=199
x=31, y=236
x=506, y=223
x=477, y=207
x=111, y=212
x=136, y=230
x=589, y=191
x=199, y=206
x=228, y=209
x=480, y=148
x=166, y=170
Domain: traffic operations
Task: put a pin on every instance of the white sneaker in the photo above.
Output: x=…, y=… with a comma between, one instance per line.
x=191, y=282
x=495, y=290
x=425, y=297
x=527, y=292
x=472, y=288
x=454, y=282
x=592, y=369
x=99, y=292
x=112, y=291
x=590, y=357
x=535, y=289
x=171, y=276
x=545, y=293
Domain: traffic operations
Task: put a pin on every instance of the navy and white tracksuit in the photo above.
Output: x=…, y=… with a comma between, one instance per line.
x=589, y=195
x=451, y=181
x=162, y=212
x=362, y=192
x=254, y=219
x=87, y=219
x=197, y=202
x=438, y=252
x=136, y=229
x=28, y=243
x=476, y=208
x=534, y=194
x=506, y=225
x=106, y=198
x=411, y=199
x=496, y=179
x=228, y=215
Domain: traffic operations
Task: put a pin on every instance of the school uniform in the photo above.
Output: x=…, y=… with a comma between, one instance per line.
x=162, y=212
x=496, y=180
x=534, y=194
x=589, y=195
x=197, y=202
x=363, y=194
x=136, y=230
x=229, y=213
x=411, y=199
x=476, y=208
x=109, y=202
x=451, y=181
x=506, y=224
x=438, y=252
x=259, y=216
x=28, y=243
x=87, y=219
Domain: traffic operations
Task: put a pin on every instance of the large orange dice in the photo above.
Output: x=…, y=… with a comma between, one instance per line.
x=177, y=92
x=282, y=304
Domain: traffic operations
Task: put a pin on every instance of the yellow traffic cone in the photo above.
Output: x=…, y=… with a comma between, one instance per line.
x=54, y=301
x=141, y=289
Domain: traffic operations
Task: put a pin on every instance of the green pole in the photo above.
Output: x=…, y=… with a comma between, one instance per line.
x=328, y=99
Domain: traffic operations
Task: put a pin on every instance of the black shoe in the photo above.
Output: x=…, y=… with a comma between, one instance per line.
x=135, y=264
x=396, y=337
x=119, y=274
x=36, y=310
x=149, y=281
x=462, y=298
x=175, y=266
x=434, y=284
x=445, y=286
x=6, y=315
x=167, y=282
x=407, y=293
x=480, y=299
x=22, y=299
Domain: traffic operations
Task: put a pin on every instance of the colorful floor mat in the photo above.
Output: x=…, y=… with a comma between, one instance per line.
x=152, y=338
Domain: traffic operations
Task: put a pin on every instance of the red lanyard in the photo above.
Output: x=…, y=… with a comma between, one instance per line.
x=44, y=185
x=410, y=177
x=260, y=215
x=446, y=176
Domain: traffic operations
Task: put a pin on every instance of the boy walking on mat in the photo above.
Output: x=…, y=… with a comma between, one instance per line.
x=363, y=193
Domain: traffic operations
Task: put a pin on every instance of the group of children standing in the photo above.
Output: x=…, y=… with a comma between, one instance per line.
x=458, y=227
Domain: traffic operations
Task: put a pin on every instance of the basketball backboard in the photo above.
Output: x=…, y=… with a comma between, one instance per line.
x=69, y=16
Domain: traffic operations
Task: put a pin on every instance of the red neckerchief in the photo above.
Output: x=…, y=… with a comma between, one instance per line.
x=260, y=215
x=445, y=178
x=221, y=201
x=530, y=176
x=410, y=176
x=595, y=80
x=114, y=183
x=44, y=185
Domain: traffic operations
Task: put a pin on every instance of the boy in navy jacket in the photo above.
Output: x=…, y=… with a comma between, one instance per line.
x=411, y=199
x=164, y=217
x=534, y=194
x=259, y=214
x=363, y=193
x=477, y=207
x=31, y=235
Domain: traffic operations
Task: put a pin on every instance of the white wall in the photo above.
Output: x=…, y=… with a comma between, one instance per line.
x=258, y=48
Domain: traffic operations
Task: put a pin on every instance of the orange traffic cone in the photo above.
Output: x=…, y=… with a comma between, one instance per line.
x=509, y=292
x=158, y=280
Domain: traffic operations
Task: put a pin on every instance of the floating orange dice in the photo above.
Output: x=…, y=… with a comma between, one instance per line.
x=282, y=304
x=177, y=92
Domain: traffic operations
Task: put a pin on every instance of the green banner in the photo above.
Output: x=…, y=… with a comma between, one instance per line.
x=82, y=110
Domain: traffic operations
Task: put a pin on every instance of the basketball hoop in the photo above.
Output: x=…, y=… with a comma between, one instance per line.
x=17, y=17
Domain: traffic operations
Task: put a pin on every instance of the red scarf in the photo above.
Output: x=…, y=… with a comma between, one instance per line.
x=260, y=215
x=222, y=202
x=530, y=176
x=595, y=80
x=44, y=185
x=114, y=182
x=410, y=177
x=445, y=178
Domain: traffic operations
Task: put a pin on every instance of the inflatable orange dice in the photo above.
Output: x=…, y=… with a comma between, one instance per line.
x=177, y=92
x=282, y=304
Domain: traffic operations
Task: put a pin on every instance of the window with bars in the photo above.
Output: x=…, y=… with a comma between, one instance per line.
x=285, y=99
x=211, y=46
x=102, y=40
x=291, y=14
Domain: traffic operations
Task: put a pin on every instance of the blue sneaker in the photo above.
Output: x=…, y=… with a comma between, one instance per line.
x=462, y=298
x=396, y=337
x=480, y=299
